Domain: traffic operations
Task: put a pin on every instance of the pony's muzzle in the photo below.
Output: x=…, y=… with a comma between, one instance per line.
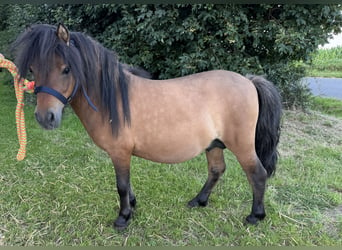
x=49, y=119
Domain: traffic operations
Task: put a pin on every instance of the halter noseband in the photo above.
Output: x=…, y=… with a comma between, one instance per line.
x=61, y=97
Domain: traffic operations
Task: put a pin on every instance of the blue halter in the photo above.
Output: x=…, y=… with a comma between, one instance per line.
x=61, y=97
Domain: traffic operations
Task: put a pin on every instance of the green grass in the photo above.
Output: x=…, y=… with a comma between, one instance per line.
x=327, y=63
x=64, y=192
x=330, y=106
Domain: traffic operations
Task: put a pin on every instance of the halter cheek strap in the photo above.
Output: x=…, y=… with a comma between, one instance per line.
x=61, y=97
x=91, y=104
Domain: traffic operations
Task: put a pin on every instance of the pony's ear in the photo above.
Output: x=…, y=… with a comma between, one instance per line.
x=63, y=33
x=28, y=28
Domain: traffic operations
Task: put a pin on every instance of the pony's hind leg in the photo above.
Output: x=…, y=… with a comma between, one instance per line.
x=256, y=175
x=216, y=167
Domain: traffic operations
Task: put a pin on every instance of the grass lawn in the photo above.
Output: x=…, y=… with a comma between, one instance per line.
x=330, y=106
x=64, y=192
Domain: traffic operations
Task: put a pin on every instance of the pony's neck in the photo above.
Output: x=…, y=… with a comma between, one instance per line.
x=87, y=115
x=97, y=126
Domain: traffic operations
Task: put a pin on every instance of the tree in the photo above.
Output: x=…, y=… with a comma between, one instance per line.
x=176, y=40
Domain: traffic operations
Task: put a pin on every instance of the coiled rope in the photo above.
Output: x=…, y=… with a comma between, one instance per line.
x=20, y=85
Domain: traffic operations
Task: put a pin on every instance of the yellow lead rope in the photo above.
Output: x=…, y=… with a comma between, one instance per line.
x=20, y=86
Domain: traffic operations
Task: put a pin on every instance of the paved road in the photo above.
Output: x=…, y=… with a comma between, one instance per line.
x=325, y=87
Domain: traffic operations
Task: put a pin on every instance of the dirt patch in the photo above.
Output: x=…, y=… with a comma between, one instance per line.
x=335, y=213
x=305, y=129
x=333, y=222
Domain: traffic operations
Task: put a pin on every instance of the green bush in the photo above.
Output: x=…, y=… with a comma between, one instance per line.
x=181, y=39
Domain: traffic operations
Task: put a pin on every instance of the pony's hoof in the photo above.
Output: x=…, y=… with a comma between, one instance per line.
x=251, y=219
x=254, y=219
x=197, y=203
x=120, y=223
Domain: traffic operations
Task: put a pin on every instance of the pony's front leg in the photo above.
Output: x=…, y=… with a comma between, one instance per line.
x=127, y=198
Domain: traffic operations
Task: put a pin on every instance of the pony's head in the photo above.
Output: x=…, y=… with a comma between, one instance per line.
x=55, y=63
x=67, y=65
x=54, y=87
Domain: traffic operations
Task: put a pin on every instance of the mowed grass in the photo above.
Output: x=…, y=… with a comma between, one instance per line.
x=327, y=63
x=330, y=106
x=64, y=192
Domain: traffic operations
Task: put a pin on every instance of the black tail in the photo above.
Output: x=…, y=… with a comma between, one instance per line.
x=268, y=126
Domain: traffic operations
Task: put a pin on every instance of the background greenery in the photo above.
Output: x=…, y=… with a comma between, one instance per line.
x=175, y=40
x=326, y=63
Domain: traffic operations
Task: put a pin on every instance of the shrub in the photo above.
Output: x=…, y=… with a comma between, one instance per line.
x=181, y=39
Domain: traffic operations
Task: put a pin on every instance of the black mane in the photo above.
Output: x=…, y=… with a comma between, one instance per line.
x=96, y=68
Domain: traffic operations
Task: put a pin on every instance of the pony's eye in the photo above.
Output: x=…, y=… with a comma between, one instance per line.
x=66, y=70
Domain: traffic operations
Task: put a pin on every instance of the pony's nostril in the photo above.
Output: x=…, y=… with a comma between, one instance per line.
x=48, y=120
x=50, y=117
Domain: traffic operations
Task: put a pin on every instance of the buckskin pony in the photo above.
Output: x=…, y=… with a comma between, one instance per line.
x=167, y=121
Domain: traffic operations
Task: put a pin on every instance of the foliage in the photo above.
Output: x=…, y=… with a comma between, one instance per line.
x=180, y=39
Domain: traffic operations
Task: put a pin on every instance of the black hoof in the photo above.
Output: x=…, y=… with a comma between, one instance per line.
x=251, y=219
x=121, y=223
x=197, y=203
x=254, y=219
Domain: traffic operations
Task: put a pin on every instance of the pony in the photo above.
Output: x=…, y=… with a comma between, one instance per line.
x=168, y=121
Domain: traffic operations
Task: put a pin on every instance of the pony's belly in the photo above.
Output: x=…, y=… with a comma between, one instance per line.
x=168, y=153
